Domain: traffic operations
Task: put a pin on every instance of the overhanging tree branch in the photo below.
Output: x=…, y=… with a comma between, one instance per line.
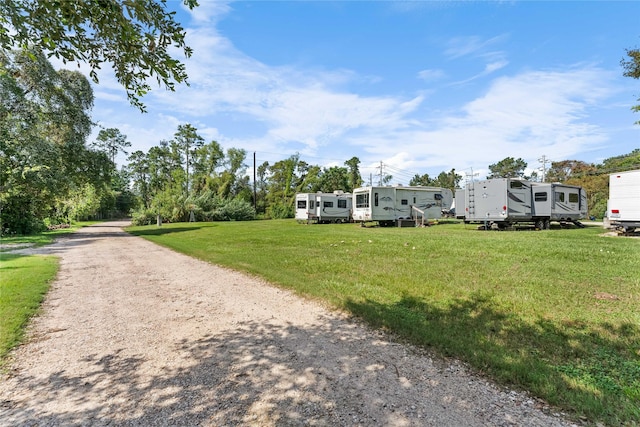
x=133, y=36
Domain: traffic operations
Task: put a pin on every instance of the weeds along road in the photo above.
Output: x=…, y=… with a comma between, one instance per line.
x=135, y=334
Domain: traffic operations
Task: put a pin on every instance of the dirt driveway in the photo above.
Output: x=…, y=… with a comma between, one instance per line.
x=135, y=334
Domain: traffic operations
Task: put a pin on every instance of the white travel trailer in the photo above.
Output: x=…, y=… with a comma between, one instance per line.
x=460, y=203
x=323, y=207
x=504, y=202
x=387, y=205
x=623, y=205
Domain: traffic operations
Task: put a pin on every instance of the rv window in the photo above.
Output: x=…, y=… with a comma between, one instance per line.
x=302, y=204
x=559, y=197
x=573, y=198
x=342, y=204
x=437, y=196
x=312, y=204
x=362, y=200
x=327, y=204
x=414, y=200
x=516, y=184
x=540, y=197
x=375, y=199
x=404, y=202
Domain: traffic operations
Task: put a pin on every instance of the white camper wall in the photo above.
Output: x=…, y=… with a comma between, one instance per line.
x=624, y=196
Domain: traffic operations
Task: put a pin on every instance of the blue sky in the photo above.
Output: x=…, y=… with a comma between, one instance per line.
x=422, y=87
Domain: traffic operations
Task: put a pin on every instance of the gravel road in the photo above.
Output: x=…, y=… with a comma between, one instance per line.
x=135, y=334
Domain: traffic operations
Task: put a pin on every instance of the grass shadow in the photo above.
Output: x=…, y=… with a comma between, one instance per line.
x=159, y=231
x=601, y=380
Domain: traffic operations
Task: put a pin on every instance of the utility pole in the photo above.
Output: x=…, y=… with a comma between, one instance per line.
x=544, y=162
x=380, y=181
x=255, y=194
x=470, y=176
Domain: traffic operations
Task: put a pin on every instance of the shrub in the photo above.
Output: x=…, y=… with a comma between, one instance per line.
x=237, y=210
x=144, y=217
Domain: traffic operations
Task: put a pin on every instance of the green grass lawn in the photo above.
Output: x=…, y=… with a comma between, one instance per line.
x=43, y=238
x=24, y=281
x=554, y=312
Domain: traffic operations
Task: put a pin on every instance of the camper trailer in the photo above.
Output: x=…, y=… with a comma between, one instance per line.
x=387, y=205
x=323, y=207
x=623, y=205
x=459, y=203
x=503, y=202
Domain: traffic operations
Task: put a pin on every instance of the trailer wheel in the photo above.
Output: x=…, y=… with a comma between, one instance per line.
x=539, y=224
x=547, y=224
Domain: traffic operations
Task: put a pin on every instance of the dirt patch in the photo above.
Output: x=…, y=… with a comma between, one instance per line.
x=135, y=334
x=606, y=296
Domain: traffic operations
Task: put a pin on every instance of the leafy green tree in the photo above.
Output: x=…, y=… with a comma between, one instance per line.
x=186, y=142
x=508, y=168
x=424, y=180
x=593, y=178
x=162, y=163
x=112, y=142
x=631, y=68
x=355, y=179
x=261, y=187
x=308, y=178
x=206, y=162
x=449, y=180
x=333, y=179
x=138, y=170
x=44, y=124
x=624, y=162
x=134, y=37
x=282, y=188
x=84, y=203
x=124, y=199
x=566, y=169
x=234, y=181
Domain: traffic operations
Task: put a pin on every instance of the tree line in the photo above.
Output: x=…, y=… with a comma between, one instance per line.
x=50, y=173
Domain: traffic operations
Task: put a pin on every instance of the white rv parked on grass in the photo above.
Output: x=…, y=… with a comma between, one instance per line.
x=503, y=202
x=323, y=207
x=623, y=206
x=387, y=205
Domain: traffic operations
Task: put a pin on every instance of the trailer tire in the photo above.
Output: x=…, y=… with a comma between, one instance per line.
x=547, y=224
x=539, y=224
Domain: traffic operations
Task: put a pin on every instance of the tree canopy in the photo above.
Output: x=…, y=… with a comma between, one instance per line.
x=508, y=168
x=134, y=37
x=44, y=123
x=631, y=68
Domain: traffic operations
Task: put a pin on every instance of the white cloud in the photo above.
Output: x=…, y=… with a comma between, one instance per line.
x=526, y=116
x=472, y=45
x=431, y=75
x=243, y=103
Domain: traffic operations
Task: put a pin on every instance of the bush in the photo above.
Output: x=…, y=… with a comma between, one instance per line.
x=206, y=207
x=237, y=210
x=144, y=217
x=280, y=211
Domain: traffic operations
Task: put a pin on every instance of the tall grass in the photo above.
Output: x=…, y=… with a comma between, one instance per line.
x=554, y=312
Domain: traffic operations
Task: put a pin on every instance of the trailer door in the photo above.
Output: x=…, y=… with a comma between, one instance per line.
x=383, y=204
x=542, y=201
x=519, y=200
